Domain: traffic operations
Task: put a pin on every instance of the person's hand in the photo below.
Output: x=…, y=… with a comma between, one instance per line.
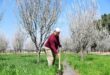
x=60, y=45
x=58, y=55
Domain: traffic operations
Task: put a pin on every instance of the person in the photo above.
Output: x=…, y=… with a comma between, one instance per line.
x=51, y=46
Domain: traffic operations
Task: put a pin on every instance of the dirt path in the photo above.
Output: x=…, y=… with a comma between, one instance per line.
x=67, y=69
x=100, y=53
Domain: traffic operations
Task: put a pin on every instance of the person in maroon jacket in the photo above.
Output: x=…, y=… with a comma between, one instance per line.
x=51, y=46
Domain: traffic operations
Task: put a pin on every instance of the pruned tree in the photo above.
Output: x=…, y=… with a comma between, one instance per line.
x=38, y=18
x=18, y=41
x=3, y=43
x=83, y=24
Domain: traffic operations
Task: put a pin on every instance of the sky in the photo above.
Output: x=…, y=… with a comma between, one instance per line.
x=9, y=23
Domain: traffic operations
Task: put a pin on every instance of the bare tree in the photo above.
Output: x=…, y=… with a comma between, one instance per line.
x=29, y=45
x=67, y=44
x=38, y=17
x=103, y=43
x=18, y=41
x=83, y=25
x=3, y=43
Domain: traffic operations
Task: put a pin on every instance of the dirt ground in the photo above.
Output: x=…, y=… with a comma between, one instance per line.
x=101, y=53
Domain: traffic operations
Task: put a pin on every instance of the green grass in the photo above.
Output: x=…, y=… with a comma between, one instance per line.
x=92, y=64
x=25, y=64
x=21, y=64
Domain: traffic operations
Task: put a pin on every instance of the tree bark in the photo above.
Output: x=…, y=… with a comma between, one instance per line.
x=82, y=54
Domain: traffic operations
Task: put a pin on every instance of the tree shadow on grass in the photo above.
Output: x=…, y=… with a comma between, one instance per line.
x=43, y=61
x=89, y=58
x=2, y=58
x=2, y=66
x=24, y=56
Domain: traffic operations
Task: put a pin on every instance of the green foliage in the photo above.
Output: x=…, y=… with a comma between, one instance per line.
x=21, y=64
x=105, y=19
x=92, y=64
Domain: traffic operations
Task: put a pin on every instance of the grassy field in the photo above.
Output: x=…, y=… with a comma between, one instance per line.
x=92, y=64
x=21, y=64
x=25, y=64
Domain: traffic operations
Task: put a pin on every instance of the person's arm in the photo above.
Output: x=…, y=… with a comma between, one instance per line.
x=59, y=42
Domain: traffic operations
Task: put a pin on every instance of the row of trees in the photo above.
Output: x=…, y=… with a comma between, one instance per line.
x=18, y=41
x=3, y=43
x=38, y=17
x=87, y=30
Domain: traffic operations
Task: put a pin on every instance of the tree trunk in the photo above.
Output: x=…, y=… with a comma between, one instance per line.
x=81, y=55
x=38, y=53
x=20, y=51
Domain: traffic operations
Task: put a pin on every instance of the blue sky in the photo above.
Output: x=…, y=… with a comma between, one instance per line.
x=9, y=23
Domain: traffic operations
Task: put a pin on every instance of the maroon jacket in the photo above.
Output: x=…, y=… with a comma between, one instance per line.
x=53, y=43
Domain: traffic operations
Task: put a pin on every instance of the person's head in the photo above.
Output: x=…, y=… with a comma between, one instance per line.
x=57, y=31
